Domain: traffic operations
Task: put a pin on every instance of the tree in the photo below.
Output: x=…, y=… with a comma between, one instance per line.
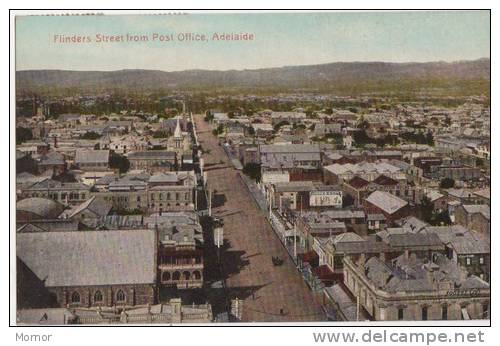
x=23, y=134
x=90, y=135
x=120, y=162
x=347, y=201
x=441, y=219
x=252, y=170
x=280, y=124
x=447, y=183
x=209, y=116
x=426, y=209
x=219, y=130
x=160, y=134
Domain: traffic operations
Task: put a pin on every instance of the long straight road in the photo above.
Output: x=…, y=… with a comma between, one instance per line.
x=269, y=293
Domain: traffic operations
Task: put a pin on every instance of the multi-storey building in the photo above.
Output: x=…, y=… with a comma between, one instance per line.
x=410, y=288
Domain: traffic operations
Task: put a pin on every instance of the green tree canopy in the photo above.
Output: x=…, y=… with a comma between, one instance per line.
x=120, y=162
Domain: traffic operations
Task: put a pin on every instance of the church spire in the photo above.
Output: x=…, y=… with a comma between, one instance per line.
x=178, y=132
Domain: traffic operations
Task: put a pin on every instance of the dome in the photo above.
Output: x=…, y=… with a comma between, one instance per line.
x=38, y=208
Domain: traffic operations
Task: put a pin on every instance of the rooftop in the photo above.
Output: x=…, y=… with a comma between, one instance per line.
x=386, y=201
x=89, y=258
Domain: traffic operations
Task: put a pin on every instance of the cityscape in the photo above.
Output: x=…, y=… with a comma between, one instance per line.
x=314, y=192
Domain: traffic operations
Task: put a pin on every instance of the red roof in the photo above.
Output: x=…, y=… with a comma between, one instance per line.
x=357, y=182
x=324, y=273
x=308, y=256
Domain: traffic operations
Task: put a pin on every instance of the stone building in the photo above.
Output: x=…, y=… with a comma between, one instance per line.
x=180, y=256
x=359, y=188
x=469, y=249
x=285, y=157
x=473, y=216
x=392, y=207
x=166, y=191
x=171, y=191
x=339, y=173
x=91, y=269
x=68, y=194
x=180, y=249
x=52, y=163
x=92, y=160
x=153, y=160
x=410, y=288
x=166, y=313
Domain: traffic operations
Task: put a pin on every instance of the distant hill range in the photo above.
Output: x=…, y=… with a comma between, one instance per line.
x=324, y=76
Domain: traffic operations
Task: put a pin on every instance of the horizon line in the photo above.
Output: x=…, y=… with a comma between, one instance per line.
x=264, y=68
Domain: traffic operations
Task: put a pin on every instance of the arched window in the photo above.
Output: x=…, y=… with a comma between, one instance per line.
x=120, y=296
x=186, y=275
x=165, y=276
x=176, y=276
x=98, y=297
x=75, y=297
x=197, y=275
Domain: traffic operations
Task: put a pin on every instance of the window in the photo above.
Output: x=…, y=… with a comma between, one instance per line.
x=444, y=312
x=401, y=313
x=486, y=310
x=75, y=297
x=165, y=276
x=176, y=276
x=481, y=260
x=98, y=297
x=120, y=296
x=467, y=261
x=424, y=313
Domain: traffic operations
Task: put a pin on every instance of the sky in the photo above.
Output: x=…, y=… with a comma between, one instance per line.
x=280, y=39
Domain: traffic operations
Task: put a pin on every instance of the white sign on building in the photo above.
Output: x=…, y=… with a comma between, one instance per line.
x=325, y=198
x=274, y=177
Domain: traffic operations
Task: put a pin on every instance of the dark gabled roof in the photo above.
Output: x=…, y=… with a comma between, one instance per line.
x=412, y=239
x=385, y=180
x=358, y=182
x=359, y=247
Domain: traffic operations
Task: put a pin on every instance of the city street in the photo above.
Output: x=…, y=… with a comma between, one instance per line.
x=270, y=293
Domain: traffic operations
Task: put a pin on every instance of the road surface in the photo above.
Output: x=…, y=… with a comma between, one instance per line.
x=269, y=293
